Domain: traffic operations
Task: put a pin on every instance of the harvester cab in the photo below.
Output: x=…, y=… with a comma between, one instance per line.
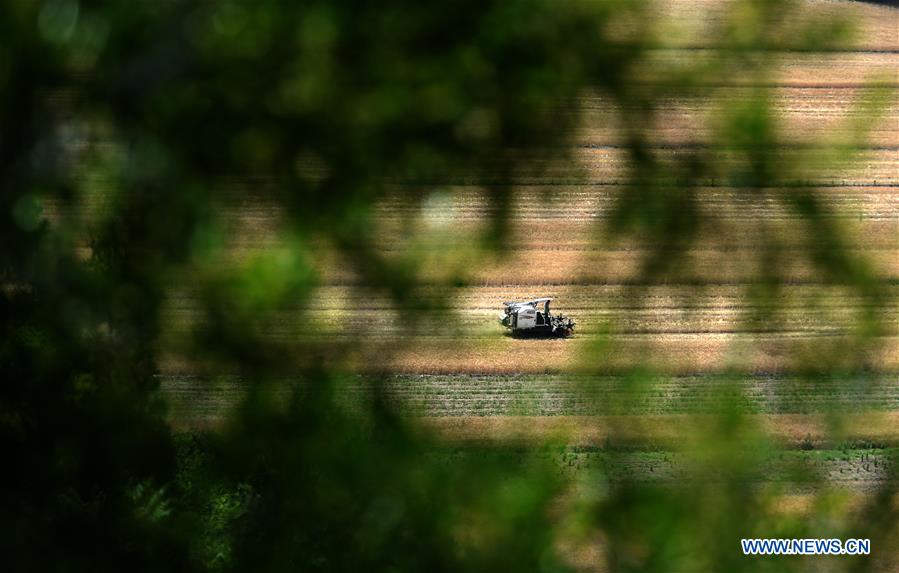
x=532, y=318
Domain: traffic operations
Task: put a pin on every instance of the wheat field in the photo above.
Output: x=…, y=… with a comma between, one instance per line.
x=458, y=373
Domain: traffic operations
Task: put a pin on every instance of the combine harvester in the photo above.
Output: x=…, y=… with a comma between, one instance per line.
x=527, y=319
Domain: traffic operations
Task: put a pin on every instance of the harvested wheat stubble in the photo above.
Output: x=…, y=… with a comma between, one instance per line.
x=662, y=353
x=547, y=234
x=697, y=266
x=683, y=309
x=872, y=213
x=482, y=324
x=669, y=353
x=794, y=69
x=587, y=200
x=703, y=265
x=609, y=164
x=566, y=214
x=698, y=328
x=873, y=165
x=688, y=22
x=809, y=115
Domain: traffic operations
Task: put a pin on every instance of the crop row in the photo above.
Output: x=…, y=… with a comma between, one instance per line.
x=614, y=267
x=852, y=468
x=684, y=23
x=472, y=396
x=610, y=165
x=798, y=69
x=480, y=322
x=810, y=115
x=672, y=354
x=581, y=204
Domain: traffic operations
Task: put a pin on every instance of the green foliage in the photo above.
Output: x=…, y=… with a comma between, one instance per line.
x=126, y=129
